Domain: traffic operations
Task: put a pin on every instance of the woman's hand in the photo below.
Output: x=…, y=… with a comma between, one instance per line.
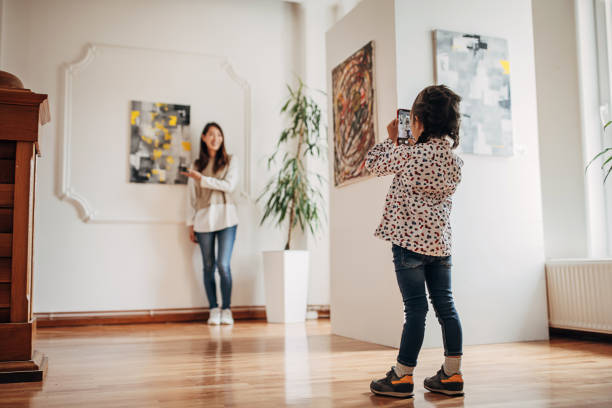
x=192, y=236
x=392, y=131
x=197, y=176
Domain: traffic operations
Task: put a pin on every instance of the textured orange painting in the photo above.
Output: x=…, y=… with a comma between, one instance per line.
x=353, y=108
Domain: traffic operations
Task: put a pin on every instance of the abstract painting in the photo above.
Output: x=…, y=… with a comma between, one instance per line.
x=353, y=109
x=160, y=146
x=478, y=68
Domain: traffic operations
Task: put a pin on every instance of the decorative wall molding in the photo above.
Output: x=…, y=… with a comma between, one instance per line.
x=86, y=209
x=227, y=67
x=67, y=193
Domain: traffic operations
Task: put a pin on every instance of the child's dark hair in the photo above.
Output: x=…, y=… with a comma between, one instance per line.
x=437, y=107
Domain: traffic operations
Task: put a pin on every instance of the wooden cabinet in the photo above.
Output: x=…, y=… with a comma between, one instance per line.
x=22, y=112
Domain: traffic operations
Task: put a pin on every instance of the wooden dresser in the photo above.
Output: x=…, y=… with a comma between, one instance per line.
x=22, y=112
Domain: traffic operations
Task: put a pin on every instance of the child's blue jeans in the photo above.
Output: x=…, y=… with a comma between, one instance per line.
x=414, y=271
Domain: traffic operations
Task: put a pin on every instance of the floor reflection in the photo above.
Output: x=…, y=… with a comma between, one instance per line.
x=297, y=364
x=255, y=364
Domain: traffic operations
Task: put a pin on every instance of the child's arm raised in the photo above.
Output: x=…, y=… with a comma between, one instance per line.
x=387, y=157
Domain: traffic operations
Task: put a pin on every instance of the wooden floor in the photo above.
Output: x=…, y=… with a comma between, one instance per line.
x=259, y=365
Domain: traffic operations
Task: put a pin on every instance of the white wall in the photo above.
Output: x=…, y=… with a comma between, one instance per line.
x=593, y=23
x=316, y=17
x=121, y=266
x=597, y=223
x=562, y=170
x=1, y=27
x=363, y=290
x=498, y=275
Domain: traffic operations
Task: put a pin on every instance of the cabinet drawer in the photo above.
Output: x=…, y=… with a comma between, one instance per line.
x=7, y=171
x=7, y=195
x=8, y=150
x=6, y=220
x=6, y=245
x=5, y=295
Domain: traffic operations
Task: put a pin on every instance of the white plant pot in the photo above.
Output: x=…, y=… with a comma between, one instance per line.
x=286, y=284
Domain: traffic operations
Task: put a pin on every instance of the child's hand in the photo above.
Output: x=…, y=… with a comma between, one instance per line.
x=392, y=131
x=411, y=141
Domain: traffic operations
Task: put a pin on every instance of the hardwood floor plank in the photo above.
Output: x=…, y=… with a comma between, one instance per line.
x=255, y=364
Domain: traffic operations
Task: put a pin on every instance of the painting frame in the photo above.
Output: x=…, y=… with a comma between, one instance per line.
x=160, y=143
x=373, y=116
x=487, y=127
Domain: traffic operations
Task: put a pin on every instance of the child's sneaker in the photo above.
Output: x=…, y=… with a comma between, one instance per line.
x=393, y=386
x=442, y=383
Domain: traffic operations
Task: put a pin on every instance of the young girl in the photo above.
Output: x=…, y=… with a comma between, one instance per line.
x=212, y=216
x=416, y=222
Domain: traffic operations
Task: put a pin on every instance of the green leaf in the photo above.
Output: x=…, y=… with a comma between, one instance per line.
x=607, y=174
x=291, y=193
x=597, y=156
x=608, y=160
x=607, y=124
x=284, y=108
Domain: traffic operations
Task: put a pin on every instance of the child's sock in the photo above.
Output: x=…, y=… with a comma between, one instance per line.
x=452, y=365
x=402, y=370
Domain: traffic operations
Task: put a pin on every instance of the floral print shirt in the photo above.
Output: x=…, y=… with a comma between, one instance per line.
x=418, y=204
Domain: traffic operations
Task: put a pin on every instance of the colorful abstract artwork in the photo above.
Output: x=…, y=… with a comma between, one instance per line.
x=354, y=113
x=160, y=146
x=478, y=69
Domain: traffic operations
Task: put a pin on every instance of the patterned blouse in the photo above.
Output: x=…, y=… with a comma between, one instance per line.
x=418, y=205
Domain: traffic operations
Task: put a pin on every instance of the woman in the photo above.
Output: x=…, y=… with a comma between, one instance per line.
x=212, y=216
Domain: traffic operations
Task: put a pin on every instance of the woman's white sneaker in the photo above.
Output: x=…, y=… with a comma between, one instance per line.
x=215, y=316
x=226, y=317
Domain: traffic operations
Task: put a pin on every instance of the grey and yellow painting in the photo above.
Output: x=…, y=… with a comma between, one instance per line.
x=478, y=68
x=160, y=146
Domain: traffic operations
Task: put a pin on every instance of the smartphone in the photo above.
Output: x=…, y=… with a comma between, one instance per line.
x=404, y=134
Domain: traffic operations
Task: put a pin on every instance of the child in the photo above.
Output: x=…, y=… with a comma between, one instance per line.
x=416, y=221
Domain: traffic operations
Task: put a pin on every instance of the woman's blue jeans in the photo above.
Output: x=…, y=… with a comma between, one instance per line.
x=415, y=271
x=225, y=244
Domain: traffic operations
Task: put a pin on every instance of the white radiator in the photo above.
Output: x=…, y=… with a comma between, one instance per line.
x=580, y=294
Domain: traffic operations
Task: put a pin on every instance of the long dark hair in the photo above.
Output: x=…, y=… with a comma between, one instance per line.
x=437, y=107
x=221, y=158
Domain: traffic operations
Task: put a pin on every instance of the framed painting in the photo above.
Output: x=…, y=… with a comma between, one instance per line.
x=354, y=110
x=160, y=146
x=478, y=68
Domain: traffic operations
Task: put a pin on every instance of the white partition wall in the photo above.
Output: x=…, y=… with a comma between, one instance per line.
x=497, y=218
x=363, y=293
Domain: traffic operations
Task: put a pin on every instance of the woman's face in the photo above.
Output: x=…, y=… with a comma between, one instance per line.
x=213, y=138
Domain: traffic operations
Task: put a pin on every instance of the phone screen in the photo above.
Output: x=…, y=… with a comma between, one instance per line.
x=403, y=125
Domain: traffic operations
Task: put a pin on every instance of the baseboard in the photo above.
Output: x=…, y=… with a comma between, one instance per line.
x=153, y=316
x=322, y=310
x=141, y=316
x=581, y=335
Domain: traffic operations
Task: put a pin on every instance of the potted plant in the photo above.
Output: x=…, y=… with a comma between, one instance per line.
x=607, y=160
x=292, y=198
